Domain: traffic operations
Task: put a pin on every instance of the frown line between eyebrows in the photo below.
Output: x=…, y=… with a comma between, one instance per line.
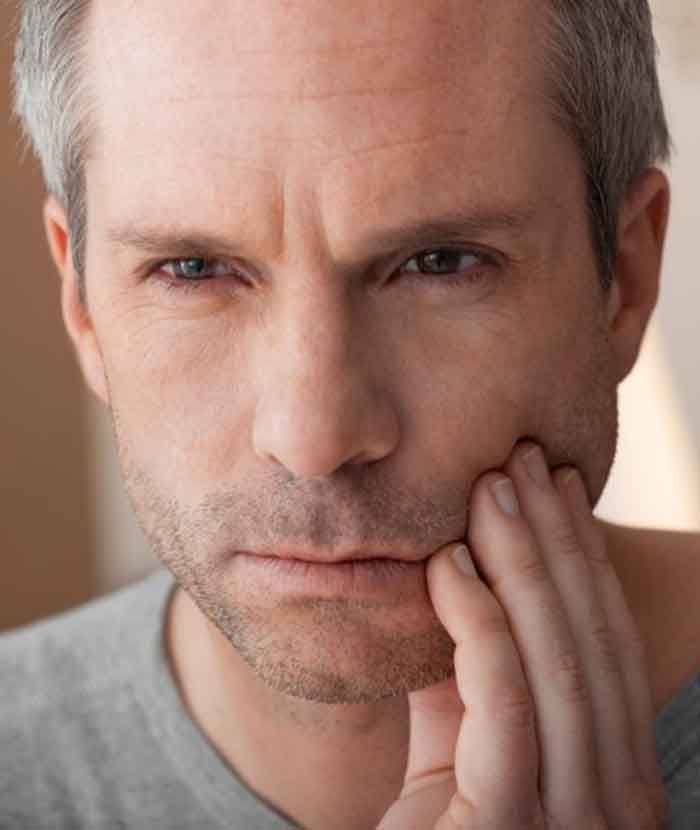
x=457, y=225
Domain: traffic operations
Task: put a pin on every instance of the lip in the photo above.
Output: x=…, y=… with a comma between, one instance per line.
x=337, y=558
x=364, y=575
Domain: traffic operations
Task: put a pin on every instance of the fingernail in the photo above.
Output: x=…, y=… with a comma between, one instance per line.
x=504, y=493
x=570, y=475
x=572, y=481
x=462, y=559
x=536, y=466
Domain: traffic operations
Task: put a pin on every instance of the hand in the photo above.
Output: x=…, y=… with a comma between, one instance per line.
x=548, y=722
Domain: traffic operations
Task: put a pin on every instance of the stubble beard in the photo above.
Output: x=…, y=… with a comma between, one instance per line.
x=331, y=650
x=323, y=650
x=326, y=650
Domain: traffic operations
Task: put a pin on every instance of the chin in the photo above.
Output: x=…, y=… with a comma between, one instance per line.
x=359, y=674
x=337, y=651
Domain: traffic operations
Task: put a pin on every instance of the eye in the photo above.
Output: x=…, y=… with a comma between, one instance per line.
x=197, y=274
x=443, y=266
x=194, y=269
x=448, y=264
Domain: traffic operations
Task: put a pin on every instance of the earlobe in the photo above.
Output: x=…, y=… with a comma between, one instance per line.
x=76, y=316
x=643, y=220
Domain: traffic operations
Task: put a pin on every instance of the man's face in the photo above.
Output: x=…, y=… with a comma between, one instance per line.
x=331, y=389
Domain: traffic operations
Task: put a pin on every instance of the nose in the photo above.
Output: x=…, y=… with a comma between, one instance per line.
x=321, y=400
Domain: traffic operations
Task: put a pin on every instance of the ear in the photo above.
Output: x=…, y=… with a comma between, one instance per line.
x=76, y=316
x=641, y=235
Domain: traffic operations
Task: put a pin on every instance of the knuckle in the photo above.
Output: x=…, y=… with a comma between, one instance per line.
x=604, y=641
x=533, y=568
x=515, y=709
x=572, y=677
x=565, y=540
x=599, y=559
x=636, y=643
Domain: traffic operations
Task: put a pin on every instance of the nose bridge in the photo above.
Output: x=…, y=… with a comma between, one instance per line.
x=318, y=406
x=316, y=328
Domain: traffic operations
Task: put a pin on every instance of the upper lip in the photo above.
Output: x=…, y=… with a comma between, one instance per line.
x=335, y=557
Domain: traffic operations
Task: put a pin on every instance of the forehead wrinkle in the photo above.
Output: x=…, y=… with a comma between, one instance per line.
x=326, y=78
x=445, y=17
x=358, y=153
x=285, y=95
x=389, y=176
x=240, y=162
x=335, y=48
x=315, y=79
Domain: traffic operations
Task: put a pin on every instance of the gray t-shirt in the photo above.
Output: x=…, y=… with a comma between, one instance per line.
x=93, y=733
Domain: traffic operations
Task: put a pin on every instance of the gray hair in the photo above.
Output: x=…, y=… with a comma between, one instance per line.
x=53, y=104
x=600, y=60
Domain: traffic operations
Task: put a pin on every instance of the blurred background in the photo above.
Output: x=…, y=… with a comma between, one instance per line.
x=67, y=533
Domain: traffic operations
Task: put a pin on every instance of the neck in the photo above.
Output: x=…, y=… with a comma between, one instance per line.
x=348, y=760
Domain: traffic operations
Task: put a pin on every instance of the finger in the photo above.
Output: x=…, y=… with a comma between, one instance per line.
x=632, y=655
x=496, y=759
x=564, y=553
x=435, y=715
x=514, y=567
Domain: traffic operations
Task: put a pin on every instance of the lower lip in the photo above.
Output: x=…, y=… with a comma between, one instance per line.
x=366, y=576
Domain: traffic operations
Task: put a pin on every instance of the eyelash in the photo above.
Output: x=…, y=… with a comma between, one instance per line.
x=449, y=279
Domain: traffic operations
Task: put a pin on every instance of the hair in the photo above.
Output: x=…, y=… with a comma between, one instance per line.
x=600, y=59
x=600, y=62
x=54, y=106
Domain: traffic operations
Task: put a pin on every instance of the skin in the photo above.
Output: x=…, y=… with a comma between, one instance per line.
x=317, y=394
x=551, y=680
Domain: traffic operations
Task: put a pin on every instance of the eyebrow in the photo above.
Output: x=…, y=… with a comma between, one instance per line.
x=451, y=226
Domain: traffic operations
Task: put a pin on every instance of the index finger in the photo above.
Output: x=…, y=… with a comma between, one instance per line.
x=497, y=757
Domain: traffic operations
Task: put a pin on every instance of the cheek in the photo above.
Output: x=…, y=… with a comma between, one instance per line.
x=473, y=400
x=179, y=394
x=550, y=381
x=570, y=405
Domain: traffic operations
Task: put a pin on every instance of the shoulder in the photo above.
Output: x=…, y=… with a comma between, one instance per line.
x=78, y=692
x=59, y=656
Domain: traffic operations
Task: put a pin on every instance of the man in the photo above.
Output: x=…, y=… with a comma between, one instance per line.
x=357, y=282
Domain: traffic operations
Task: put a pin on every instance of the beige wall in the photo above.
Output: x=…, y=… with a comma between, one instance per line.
x=46, y=513
x=66, y=528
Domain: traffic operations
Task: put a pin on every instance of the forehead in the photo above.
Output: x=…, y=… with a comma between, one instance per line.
x=360, y=99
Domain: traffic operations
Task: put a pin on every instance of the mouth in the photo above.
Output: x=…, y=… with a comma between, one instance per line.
x=359, y=575
x=321, y=557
